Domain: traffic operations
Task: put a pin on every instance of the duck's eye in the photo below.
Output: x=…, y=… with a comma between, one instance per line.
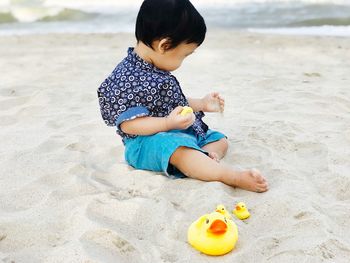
x=222, y=208
x=225, y=220
x=207, y=221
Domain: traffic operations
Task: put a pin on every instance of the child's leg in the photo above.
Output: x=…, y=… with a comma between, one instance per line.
x=219, y=148
x=197, y=165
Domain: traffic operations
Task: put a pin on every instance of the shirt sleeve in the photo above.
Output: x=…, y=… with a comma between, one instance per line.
x=120, y=103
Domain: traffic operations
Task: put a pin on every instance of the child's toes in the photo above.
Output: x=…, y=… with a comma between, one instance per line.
x=261, y=187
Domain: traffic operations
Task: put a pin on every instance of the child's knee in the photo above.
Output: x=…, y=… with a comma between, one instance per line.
x=176, y=157
x=224, y=145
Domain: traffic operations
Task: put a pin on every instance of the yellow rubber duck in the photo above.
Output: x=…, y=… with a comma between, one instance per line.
x=222, y=210
x=213, y=234
x=241, y=211
x=186, y=110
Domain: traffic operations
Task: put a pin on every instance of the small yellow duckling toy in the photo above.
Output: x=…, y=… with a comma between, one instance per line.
x=222, y=210
x=213, y=234
x=186, y=110
x=241, y=211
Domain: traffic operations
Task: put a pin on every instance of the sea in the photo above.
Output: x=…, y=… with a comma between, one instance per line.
x=295, y=17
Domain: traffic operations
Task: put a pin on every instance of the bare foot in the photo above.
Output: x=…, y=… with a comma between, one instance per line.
x=214, y=156
x=251, y=180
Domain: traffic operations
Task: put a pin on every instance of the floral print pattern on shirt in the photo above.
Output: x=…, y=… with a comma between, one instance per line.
x=137, y=83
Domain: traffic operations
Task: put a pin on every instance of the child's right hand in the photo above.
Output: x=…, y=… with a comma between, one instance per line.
x=175, y=121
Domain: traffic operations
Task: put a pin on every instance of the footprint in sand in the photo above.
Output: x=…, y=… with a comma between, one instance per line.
x=272, y=247
x=120, y=214
x=338, y=186
x=125, y=194
x=313, y=154
x=53, y=143
x=25, y=197
x=79, y=147
x=251, y=155
x=108, y=246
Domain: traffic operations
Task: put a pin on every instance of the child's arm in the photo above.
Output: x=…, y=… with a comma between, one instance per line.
x=153, y=125
x=196, y=104
x=212, y=102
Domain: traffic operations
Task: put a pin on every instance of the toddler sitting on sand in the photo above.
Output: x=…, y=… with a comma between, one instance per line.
x=144, y=100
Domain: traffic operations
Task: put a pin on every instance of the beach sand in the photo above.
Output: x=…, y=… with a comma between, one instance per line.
x=67, y=194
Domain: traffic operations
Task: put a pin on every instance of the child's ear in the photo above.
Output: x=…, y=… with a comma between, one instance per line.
x=164, y=45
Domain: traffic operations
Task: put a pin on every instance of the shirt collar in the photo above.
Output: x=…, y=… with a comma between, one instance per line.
x=143, y=64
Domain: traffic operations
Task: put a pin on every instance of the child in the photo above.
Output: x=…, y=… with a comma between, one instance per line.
x=144, y=101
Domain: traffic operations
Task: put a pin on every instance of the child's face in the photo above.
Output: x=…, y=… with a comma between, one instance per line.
x=172, y=59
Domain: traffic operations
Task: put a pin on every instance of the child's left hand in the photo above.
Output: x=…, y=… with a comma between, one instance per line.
x=213, y=102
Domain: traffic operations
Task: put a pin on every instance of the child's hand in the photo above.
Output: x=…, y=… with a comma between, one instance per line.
x=213, y=102
x=175, y=121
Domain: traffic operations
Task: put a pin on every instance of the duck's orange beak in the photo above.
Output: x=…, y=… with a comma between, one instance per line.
x=219, y=211
x=218, y=227
x=238, y=207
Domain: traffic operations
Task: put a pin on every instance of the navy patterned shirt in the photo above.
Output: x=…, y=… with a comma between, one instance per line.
x=136, y=88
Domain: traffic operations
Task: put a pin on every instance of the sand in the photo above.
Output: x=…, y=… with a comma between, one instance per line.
x=67, y=195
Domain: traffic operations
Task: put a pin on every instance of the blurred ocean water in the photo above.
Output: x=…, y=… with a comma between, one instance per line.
x=320, y=17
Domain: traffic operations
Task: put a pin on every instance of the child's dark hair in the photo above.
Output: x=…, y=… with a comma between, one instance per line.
x=177, y=20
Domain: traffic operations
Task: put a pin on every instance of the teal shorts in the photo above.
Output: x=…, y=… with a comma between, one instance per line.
x=153, y=152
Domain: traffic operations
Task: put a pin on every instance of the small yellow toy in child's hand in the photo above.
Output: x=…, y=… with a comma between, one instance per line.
x=186, y=110
x=241, y=211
